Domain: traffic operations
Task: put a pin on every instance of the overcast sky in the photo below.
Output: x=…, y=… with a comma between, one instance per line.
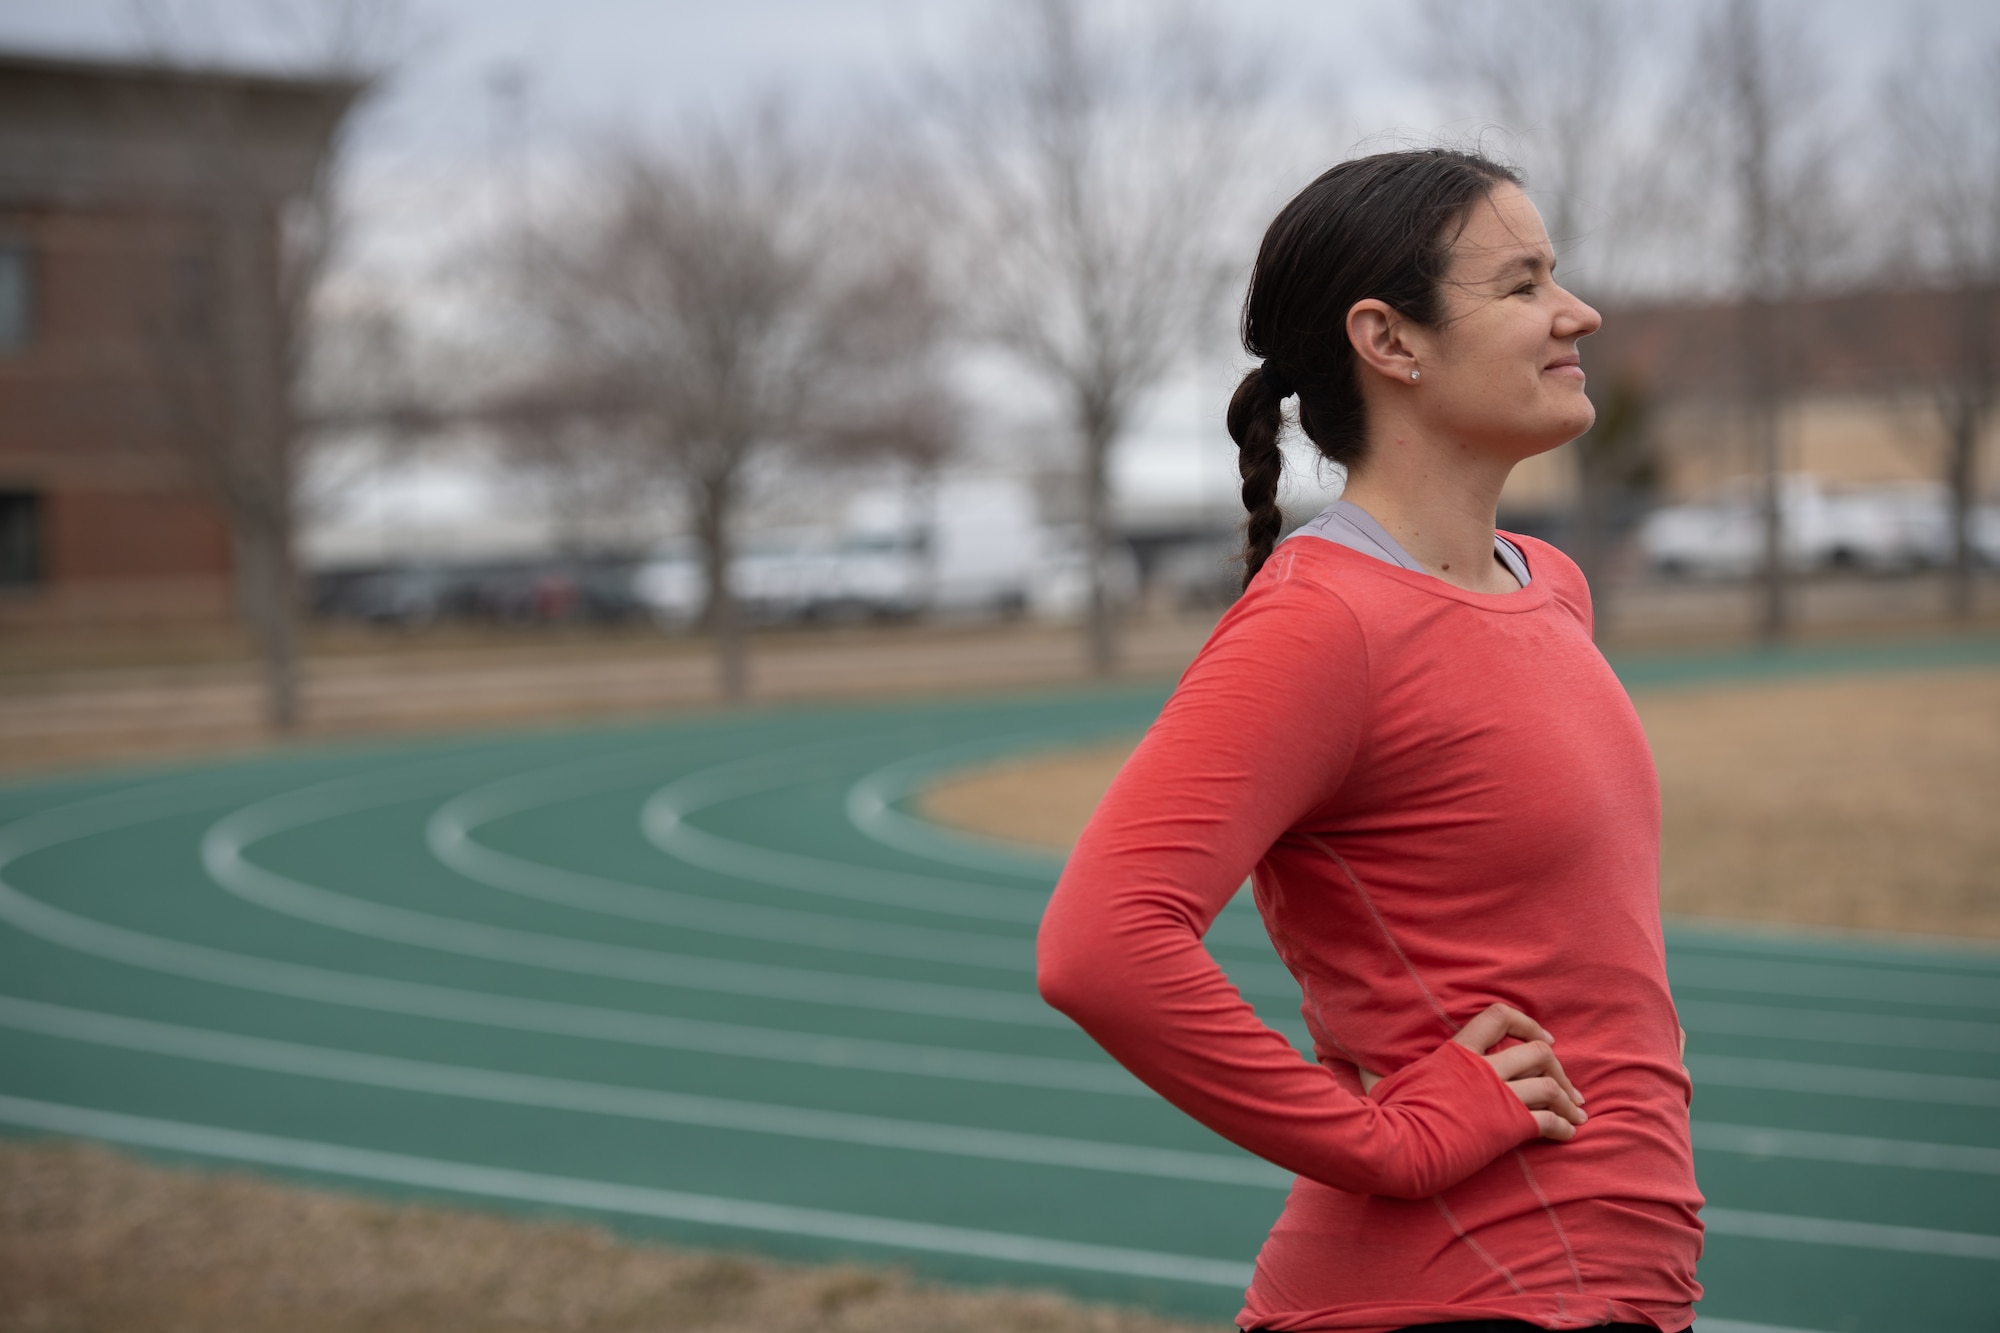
x=591, y=61
x=590, y=64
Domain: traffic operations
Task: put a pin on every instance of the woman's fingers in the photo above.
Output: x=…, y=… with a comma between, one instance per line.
x=1530, y=1070
x=1497, y=1021
x=1529, y=1060
x=1554, y=1126
x=1545, y=1096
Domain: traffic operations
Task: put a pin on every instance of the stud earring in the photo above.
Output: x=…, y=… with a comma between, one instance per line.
x=1413, y=374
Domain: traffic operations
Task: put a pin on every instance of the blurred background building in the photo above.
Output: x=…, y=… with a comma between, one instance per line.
x=109, y=288
x=430, y=315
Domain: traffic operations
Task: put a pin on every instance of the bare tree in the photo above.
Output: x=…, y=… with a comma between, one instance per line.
x=1089, y=173
x=260, y=222
x=1560, y=76
x=1943, y=114
x=730, y=304
x=1756, y=92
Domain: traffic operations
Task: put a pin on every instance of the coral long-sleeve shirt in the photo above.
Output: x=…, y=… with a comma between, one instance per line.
x=1444, y=799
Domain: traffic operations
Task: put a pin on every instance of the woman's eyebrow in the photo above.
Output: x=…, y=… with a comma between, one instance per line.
x=1529, y=263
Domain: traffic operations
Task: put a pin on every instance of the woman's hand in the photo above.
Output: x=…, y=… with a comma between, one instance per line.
x=1530, y=1070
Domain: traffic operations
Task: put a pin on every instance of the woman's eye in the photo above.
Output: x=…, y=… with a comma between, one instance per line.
x=1525, y=289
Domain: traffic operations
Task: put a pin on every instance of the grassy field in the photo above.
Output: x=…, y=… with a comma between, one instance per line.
x=92, y=1240
x=1864, y=803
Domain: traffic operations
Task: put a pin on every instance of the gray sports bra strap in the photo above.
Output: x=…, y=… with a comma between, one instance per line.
x=1345, y=523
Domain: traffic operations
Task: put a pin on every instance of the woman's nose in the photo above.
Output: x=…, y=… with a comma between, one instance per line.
x=1579, y=320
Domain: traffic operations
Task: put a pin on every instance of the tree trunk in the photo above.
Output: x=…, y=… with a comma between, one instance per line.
x=1101, y=615
x=1765, y=401
x=253, y=454
x=1961, y=479
x=1966, y=409
x=270, y=606
x=926, y=528
x=1774, y=600
x=712, y=505
x=1592, y=497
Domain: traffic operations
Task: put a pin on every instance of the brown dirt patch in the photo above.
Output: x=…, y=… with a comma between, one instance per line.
x=93, y=1240
x=1862, y=802
x=1043, y=799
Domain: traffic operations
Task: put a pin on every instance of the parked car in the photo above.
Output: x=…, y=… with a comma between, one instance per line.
x=671, y=587
x=410, y=597
x=1986, y=535
x=1061, y=589
x=1884, y=529
x=975, y=549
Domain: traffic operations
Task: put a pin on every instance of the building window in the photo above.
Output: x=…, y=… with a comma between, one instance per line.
x=17, y=295
x=20, y=538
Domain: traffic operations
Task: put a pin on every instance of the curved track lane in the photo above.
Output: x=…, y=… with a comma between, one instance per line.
x=713, y=980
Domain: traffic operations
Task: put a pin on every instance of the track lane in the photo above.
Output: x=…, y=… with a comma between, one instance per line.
x=1896, y=1008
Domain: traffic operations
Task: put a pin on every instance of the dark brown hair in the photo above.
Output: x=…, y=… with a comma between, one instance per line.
x=1378, y=227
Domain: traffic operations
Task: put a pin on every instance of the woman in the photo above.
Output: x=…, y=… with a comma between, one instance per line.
x=1403, y=733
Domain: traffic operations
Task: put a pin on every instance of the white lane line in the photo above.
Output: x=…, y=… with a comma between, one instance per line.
x=1832, y=981
x=1857, y=1235
x=605, y=1197
x=449, y=834
x=308, y=1061
x=203, y=963
x=871, y=808
x=1832, y=1026
x=663, y=820
x=411, y=999
x=514, y=1013
x=424, y=1076
x=871, y=804
x=450, y=837
x=1860, y=948
x=333, y=1159
x=222, y=853
x=302, y=981
x=1731, y=1071
x=1848, y=1149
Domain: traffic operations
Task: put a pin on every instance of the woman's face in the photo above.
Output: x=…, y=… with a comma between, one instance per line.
x=1500, y=371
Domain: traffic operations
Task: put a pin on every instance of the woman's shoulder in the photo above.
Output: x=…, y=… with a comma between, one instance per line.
x=1306, y=579
x=1294, y=608
x=1565, y=579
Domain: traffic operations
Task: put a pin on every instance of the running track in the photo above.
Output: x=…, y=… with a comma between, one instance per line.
x=707, y=980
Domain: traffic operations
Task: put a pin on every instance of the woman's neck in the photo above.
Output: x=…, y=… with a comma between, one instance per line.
x=1439, y=504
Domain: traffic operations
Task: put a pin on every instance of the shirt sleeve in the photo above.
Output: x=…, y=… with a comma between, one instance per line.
x=1262, y=729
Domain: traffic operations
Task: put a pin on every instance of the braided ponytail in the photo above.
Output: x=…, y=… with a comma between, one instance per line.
x=1379, y=228
x=1256, y=417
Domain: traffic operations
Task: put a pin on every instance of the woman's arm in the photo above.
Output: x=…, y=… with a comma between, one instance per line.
x=1262, y=729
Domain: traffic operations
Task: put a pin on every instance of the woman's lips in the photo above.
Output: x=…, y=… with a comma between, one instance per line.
x=1568, y=366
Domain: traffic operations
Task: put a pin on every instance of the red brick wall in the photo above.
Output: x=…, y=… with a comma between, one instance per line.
x=94, y=535
x=87, y=419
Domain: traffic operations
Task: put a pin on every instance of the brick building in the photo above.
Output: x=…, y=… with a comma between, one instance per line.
x=112, y=287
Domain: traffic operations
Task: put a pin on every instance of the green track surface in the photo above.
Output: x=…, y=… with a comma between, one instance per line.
x=708, y=980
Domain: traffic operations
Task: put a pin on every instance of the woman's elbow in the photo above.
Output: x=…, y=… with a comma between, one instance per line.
x=1058, y=977
x=1065, y=976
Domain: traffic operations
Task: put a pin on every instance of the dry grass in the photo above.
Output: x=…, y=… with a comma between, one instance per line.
x=1870, y=803
x=1043, y=799
x=92, y=1240
x=1863, y=802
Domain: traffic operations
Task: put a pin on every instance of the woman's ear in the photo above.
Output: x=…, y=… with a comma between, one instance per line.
x=1377, y=332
